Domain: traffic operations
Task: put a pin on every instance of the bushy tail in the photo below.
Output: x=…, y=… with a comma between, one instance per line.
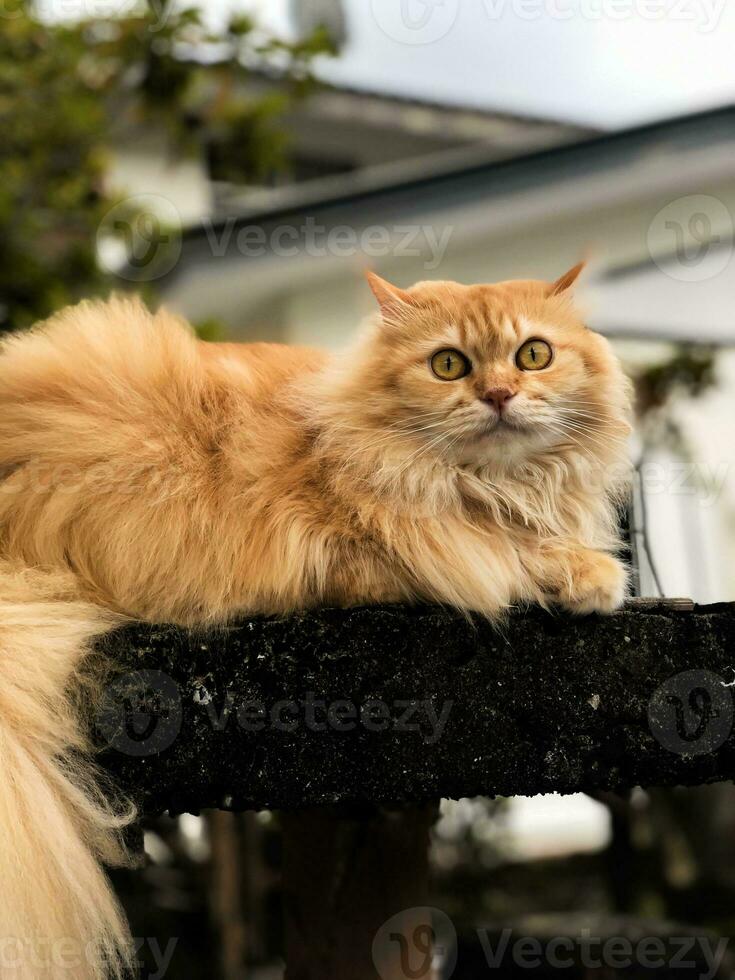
x=59, y=919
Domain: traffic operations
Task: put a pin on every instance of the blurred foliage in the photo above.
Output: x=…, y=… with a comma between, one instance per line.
x=67, y=90
x=689, y=371
x=211, y=329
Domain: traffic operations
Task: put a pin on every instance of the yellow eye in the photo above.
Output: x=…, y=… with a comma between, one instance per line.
x=534, y=355
x=450, y=365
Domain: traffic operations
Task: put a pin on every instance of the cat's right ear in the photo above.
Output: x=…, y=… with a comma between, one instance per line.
x=565, y=282
x=391, y=299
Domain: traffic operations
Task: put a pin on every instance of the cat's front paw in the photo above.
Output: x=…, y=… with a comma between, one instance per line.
x=597, y=583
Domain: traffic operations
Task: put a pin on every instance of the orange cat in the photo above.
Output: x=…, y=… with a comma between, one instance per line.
x=469, y=449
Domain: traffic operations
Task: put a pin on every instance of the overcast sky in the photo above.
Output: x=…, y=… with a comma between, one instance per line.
x=609, y=63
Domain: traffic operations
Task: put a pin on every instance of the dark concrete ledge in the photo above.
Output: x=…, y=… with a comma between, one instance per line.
x=422, y=704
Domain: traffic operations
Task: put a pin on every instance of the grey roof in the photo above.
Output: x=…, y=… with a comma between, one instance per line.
x=461, y=175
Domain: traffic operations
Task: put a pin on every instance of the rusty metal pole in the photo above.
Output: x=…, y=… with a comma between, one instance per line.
x=355, y=894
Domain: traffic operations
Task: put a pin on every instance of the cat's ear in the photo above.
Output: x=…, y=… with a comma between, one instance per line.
x=390, y=298
x=565, y=282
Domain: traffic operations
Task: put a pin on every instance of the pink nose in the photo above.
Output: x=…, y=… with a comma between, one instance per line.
x=498, y=397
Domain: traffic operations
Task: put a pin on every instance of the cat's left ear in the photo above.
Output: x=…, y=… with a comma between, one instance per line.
x=565, y=282
x=390, y=298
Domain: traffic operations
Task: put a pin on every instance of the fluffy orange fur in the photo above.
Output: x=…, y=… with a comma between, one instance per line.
x=146, y=474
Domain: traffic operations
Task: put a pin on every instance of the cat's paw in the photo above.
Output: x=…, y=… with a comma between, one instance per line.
x=597, y=583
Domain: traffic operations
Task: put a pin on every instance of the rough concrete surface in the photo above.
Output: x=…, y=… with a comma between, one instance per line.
x=396, y=705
